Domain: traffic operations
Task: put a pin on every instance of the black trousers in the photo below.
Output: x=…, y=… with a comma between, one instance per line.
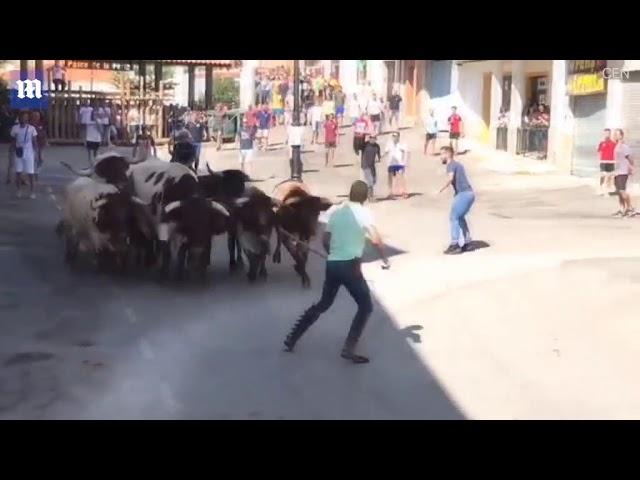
x=340, y=273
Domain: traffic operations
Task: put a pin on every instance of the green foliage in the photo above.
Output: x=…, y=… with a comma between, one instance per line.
x=226, y=90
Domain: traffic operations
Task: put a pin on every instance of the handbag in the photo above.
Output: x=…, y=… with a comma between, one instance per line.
x=20, y=150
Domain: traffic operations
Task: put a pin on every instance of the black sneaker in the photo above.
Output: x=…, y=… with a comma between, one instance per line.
x=453, y=250
x=354, y=358
x=618, y=214
x=466, y=248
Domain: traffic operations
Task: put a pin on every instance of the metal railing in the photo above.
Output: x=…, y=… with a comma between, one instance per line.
x=532, y=140
x=501, y=138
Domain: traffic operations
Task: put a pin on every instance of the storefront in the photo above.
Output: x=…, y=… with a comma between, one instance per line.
x=587, y=88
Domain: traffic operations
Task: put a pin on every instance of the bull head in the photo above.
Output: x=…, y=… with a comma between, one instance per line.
x=87, y=172
x=215, y=205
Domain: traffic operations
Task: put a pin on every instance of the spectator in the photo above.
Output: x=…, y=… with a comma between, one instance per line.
x=340, y=99
x=316, y=121
x=133, y=123
x=25, y=147
x=361, y=128
x=431, y=130
x=93, y=137
x=265, y=90
x=374, y=110
x=264, y=123
x=245, y=144
x=606, y=149
x=624, y=168
x=503, y=118
x=199, y=132
x=84, y=115
x=394, y=109
x=59, y=74
x=370, y=155
x=217, y=124
x=328, y=106
x=103, y=116
x=455, y=128
x=330, y=139
x=396, y=166
x=41, y=136
x=354, y=108
x=145, y=145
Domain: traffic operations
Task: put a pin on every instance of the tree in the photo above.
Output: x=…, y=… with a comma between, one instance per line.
x=226, y=90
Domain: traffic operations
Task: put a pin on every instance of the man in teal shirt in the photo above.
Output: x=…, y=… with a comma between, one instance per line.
x=348, y=226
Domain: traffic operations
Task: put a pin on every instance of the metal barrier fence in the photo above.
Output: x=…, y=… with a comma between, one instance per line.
x=532, y=140
x=501, y=138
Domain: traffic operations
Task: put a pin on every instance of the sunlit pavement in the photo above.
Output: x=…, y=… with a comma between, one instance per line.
x=541, y=324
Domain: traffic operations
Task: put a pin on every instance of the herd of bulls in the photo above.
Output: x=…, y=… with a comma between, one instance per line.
x=162, y=216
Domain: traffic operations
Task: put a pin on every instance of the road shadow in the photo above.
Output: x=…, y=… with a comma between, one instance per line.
x=216, y=350
x=310, y=171
x=477, y=245
x=343, y=165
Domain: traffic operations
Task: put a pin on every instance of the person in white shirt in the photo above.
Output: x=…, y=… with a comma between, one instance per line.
x=59, y=76
x=104, y=121
x=93, y=137
x=354, y=108
x=133, y=123
x=24, y=147
x=316, y=121
x=431, y=130
x=84, y=116
x=396, y=166
x=374, y=109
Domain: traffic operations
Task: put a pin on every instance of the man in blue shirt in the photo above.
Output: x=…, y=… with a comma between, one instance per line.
x=462, y=201
x=348, y=225
x=264, y=124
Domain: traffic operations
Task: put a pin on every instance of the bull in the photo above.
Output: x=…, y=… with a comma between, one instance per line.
x=185, y=220
x=99, y=218
x=226, y=187
x=109, y=167
x=297, y=221
x=256, y=220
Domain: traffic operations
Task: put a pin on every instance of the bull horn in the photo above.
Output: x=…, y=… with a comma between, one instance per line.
x=220, y=208
x=211, y=172
x=172, y=206
x=138, y=201
x=275, y=202
x=239, y=202
x=82, y=173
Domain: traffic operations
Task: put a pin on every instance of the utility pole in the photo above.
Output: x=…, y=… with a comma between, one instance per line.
x=295, y=139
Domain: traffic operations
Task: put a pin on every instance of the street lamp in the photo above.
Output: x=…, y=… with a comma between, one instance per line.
x=295, y=137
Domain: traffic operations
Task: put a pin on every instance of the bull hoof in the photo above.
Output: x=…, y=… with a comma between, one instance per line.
x=263, y=275
x=277, y=257
x=251, y=278
x=306, y=283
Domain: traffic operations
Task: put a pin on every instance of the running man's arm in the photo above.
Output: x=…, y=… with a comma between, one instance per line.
x=153, y=144
x=449, y=182
x=376, y=241
x=135, y=148
x=326, y=241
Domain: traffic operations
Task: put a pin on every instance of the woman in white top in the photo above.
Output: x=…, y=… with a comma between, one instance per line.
x=59, y=75
x=24, y=148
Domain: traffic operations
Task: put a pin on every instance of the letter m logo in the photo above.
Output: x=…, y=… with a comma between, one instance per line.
x=29, y=89
x=27, y=93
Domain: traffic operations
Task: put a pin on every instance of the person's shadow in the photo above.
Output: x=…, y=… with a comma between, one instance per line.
x=411, y=333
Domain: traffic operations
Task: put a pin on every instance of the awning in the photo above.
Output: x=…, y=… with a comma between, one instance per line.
x=214, y=63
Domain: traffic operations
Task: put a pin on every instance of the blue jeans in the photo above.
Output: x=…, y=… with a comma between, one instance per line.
x=462, y=203
x=340, y=273
x=196, y=155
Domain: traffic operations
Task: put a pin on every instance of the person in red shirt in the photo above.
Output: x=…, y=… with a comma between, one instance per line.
x=455, y=128
x=606, y=150
x=330, y=139
x=252, y=121
x=361, y=128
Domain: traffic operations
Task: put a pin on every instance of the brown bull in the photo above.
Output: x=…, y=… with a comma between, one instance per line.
x=297, y=219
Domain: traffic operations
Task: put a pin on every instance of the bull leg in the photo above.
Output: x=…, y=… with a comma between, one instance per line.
x=181, y=261
x=263, y=267
x=277, y=253
x=252, y=275
x=302, y=264
x=235, y=250
x=165, y=259
x=70, y=247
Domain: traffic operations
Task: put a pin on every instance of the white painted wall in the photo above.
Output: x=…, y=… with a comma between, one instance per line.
x=247, y=82
x=349, y=76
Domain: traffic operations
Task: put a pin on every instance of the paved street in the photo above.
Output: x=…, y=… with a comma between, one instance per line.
x=541, y=324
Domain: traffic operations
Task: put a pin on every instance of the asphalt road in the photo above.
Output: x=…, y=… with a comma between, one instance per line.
x=490, y=334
